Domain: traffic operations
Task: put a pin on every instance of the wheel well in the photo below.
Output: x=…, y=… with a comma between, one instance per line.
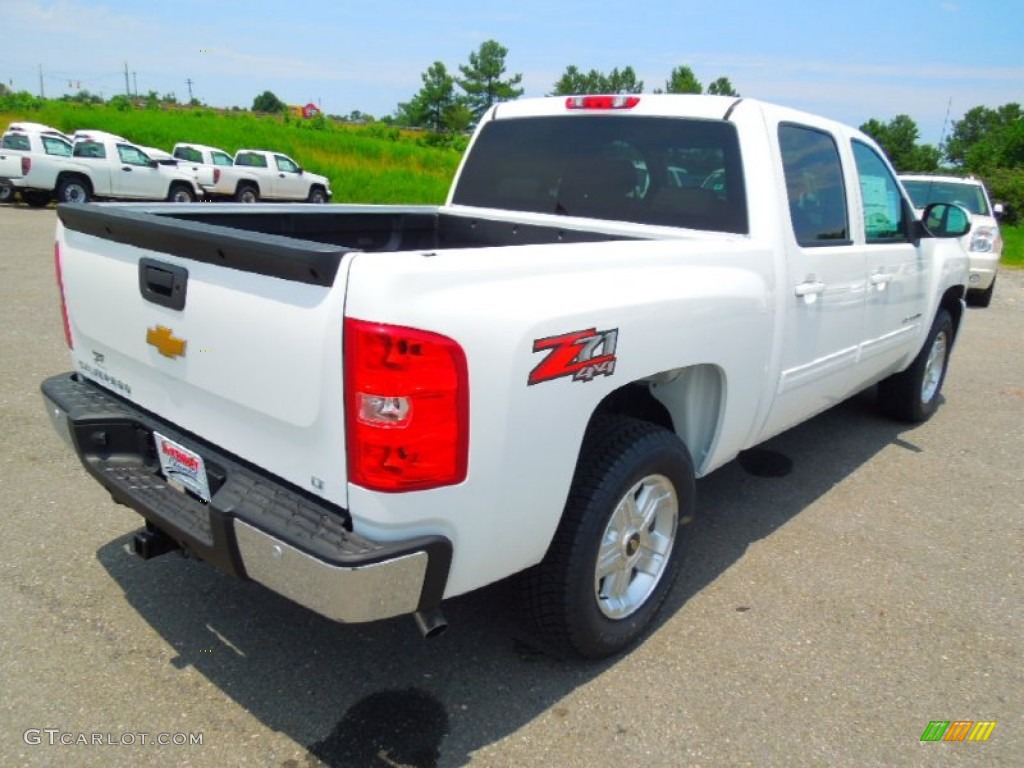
x=245, y=183
x=687, y=401
x=952, y=302
x=71, y=176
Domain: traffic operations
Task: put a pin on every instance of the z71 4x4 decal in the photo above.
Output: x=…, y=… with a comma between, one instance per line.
x=580, y=354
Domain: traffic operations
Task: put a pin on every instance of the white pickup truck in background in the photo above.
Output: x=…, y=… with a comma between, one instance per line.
x=253, y=175
x=370, y=409
x=108, y=167
x=32, y=156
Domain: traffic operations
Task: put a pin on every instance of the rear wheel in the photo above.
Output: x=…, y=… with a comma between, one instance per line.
x=73, y=190
x=6, y=192
x=181, y=193
x=37, y=198
x=616, y=552
x=913, y=395
x=247, y=193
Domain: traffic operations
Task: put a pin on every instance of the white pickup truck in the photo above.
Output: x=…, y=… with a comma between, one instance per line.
x=108, y=167
x=253, y=175
x=31, y=157
x=370, y=409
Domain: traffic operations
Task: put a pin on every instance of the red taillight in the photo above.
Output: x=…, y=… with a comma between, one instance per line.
x=63, y=303
x=216, y=175
x=26, y=165
x=602, y=102
x=406, y=407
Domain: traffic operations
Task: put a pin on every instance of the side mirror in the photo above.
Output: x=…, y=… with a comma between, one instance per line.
x=946, y=220
x=997, y=209
x=153, y=164
x=299, y=171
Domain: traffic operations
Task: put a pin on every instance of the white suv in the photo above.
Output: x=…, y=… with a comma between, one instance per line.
x=983, y=243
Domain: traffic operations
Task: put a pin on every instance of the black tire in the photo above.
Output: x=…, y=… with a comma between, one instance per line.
x=73, y=190
x=317, y=195
x=247, y=193
x=6, y=192
x=982, y=298
x=913, y=395
x=181, y=193
x=37, y=198
x=570, y=602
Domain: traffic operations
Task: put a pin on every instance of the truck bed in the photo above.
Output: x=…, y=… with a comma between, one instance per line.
x=304, y=244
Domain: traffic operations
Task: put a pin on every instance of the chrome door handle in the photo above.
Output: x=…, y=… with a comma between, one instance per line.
x=810, y=288
x=881, y=279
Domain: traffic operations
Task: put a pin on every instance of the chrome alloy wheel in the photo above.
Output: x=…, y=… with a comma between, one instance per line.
x=934, y=368
x=636, y=546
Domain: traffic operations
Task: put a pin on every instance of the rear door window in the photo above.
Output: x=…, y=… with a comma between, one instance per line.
x=814, y=186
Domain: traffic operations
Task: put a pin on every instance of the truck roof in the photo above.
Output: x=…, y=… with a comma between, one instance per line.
x=657, y=105
x=26, y=127
x=200, y=147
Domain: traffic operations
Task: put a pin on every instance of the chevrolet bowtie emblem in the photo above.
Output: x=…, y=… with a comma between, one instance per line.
x=166, y=343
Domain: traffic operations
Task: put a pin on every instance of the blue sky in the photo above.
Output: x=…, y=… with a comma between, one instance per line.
x=848, y=61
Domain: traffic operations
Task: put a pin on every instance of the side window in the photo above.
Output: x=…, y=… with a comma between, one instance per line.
x=87, y=148
x=131, y=155
x=16, y=141
x=221, y=158
x=814, y=186
x=251, y=160
x=885, y=215
x=189, y=154
x=286, y=165
x=54, y=146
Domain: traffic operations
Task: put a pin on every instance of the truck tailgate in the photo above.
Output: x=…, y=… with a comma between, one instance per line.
x=230, y=335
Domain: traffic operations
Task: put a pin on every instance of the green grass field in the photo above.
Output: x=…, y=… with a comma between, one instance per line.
x=366, y=164
x=1013, y=246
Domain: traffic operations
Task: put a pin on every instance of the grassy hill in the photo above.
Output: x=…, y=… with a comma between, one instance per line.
x=366, y=164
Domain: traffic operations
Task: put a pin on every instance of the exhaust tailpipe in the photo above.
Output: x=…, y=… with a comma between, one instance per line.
x=430, y=622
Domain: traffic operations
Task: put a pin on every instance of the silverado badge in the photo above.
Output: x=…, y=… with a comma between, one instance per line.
x=166, y=343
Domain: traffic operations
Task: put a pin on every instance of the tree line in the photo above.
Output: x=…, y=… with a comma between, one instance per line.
x=986, y=143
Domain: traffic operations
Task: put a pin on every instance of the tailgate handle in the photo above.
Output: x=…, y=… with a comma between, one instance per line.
x=163, y=284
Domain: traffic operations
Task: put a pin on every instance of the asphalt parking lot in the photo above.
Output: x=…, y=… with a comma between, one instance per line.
x=845, y=587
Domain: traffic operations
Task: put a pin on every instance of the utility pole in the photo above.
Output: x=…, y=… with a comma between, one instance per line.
x=127, y=86
x=189, y=81
x=42, y=93
x=135, y=82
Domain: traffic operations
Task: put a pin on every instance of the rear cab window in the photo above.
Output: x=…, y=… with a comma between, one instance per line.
x=251, y=159
x=18, y=141
x=678, y=172
x=188, y=154
x=221, y=158
x=86, y=148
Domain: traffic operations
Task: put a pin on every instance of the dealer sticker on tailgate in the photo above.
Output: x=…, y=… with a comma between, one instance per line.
x=184, y=469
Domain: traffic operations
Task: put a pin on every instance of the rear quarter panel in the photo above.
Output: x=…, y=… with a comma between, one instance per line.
x=674, y=303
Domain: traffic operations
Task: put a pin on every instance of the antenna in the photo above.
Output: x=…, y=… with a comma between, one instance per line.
x=945, y=122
